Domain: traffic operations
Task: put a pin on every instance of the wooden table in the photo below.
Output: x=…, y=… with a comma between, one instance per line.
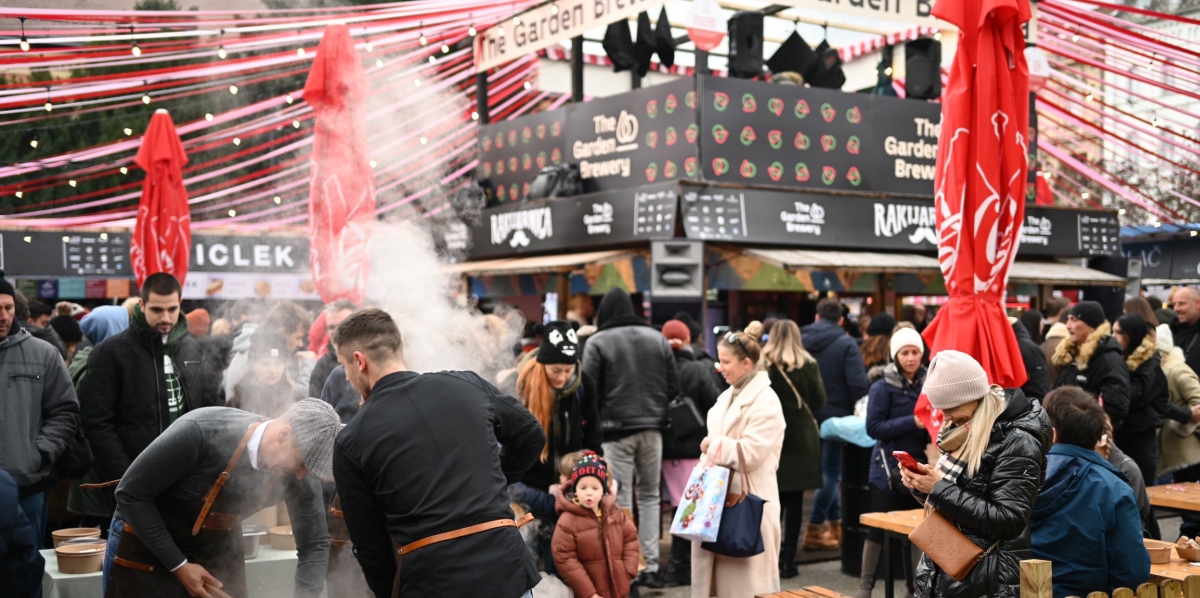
x=1176, y=497
x=1178, y=569
x=809, y=592
x=895, y=525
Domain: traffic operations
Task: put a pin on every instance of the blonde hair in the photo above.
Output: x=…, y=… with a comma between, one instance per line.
x=979, y=429
x=784, y=348
x=537, y=396
x=567, y=463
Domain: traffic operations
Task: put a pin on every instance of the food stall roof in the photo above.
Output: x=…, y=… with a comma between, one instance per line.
x=534, y=265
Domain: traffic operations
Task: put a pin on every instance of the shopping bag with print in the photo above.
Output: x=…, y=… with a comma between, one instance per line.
x=699, y=514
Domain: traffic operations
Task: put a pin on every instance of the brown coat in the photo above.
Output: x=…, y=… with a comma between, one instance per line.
x=590, y=562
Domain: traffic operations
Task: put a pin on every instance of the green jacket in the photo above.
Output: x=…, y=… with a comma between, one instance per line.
x=800, y=462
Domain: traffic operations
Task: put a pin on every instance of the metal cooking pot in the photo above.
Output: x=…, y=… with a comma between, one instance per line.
x=251, y=533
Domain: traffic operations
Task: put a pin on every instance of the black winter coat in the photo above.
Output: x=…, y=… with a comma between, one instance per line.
x=994, y=505
x=1187, y=337
x=430, y=454
x=1036, y=368
x=1149, y=396
x=576, y=426
x=696, y=382
x=123, y=397
x=1106, y=377
x=842, y=368
x=891, y=423
x=633, y=367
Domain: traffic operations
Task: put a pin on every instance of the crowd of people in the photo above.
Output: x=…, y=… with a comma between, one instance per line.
x=139, y=409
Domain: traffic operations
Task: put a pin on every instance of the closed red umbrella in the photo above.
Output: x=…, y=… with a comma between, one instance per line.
x=979, y=185
x=162, y=236
x=341, y=209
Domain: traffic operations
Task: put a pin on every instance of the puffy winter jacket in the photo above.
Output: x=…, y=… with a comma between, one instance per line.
x=891, y=423
x=1036, y=367
x=633, y=368
x=1149, y=395
x=38, y=409
x=697, y=383
x=1097, y=367
x=842, y=369
x=595, y=556
x=994, y=505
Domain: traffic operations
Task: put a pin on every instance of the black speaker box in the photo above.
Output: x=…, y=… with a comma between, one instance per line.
x=746, y=44
x=923, y=69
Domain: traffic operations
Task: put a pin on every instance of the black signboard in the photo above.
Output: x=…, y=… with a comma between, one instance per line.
x=512, y=152
x=576, y=223
x=644, y=136
x=1052, y=231
x=231, y=253
x=901, y=151
x=1157, y=257
x=65, y=253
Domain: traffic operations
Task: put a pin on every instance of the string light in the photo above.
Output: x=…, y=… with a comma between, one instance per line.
x=432, y=60
x=49, y=107
x=372, y=164
x=72, y=183
x=1192, y=234
x=517, y=21
x=424, y=141
x=422, y=39
x=20, y=194
x=296, y=124
x=370, y=46
x=133, y=46
x=208, y=117
x=1075, y=38
x=528, y=86
x=888, y=71
x=1156, y=224
x=221, y=45
x=278, y=200
x=290, y=99
x=128, y=131
x=554, y=9
x=124, y=170
x=300, y=51
x=1086, y=195
x=379, y=63
x=471, y=31
x=233, y=89
x=33, y=144
x=1121, y=212
x=24, y=40
x=417, y=82
x=237, y=140
x=1089, y=97
x=445, y=49
x=500, y=32
x=232, y=213
x=938, y=36
x=474, y=115
x=146, y=99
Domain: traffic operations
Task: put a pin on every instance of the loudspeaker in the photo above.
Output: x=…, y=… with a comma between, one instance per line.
x=923, y=69
x=677, y=269
x=746, y=44
x=828, y=74
x=794, y=55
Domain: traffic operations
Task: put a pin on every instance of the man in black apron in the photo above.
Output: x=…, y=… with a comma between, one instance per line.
x=424, y=467
x=183, y=499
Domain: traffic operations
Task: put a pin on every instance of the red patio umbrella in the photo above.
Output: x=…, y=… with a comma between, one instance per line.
x=162, y=236
x=979, y=185
x=341, y=209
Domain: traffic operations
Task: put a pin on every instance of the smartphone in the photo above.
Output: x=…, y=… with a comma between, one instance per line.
x=906, y=461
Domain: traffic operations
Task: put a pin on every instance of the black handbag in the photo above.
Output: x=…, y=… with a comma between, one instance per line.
x=685, y=418
x=77, y=458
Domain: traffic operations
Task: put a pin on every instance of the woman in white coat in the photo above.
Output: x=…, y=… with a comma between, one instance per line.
x=745, y=429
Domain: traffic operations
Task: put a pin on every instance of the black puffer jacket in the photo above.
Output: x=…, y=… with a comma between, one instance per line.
x=1036, y=368
x=576, y=426
x=696, y=382
x=994, y=504
x=1149, y=395
x=1103, y=373
x=633, y=368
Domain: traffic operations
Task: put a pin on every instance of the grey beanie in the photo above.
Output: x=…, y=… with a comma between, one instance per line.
x=954, y=379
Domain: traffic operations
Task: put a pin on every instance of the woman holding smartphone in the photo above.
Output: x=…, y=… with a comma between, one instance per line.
x=890, y=421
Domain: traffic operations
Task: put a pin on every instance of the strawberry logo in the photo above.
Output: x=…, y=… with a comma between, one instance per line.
x=748, y=103
x=487, y=169
x=487, y=144
x=526, y=162
x=541, y=160
x=691, y=133
x=775, y=171
x=802, y=172
x=852, y=144
x=689, y=100
x=689, y=165
x=512, y=165
x=512, y=138
x=748, y=169
x=652, y=139
x=853, y=176
x=525, y=190
x=828, y=113
x=775, y=105
x=828, y=143
x=748, y=135
x=652, y=172
x=775, y=138
x=802, y=141
x=556, y=129
x=499, y=166
x=720, y=166
x=670, y=170
x=801, y=110
x=671, y=104
x=652, y=108
x=499, y=140
x=672, y=136
x=512, y=191
x=501, y=194
x=721, y=101
x=720, y=134
x=526, y=135
x=828, y=175
x=541, y=131
x=556, y=155
x=854, y=115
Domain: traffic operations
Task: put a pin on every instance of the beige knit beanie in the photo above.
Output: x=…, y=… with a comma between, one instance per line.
x=954, y=379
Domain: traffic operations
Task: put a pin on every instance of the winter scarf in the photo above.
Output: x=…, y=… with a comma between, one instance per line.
x=1067, y=351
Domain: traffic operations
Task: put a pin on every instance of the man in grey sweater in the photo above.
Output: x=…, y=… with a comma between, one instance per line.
x=177, y=527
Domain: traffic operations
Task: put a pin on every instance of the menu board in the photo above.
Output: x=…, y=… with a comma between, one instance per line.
x=714, y=214
x=64, y=253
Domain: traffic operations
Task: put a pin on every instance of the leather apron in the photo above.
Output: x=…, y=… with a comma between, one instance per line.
x=205, y=532
x=344, y=576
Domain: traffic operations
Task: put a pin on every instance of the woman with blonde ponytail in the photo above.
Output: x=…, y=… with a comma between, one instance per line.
x=993, y=443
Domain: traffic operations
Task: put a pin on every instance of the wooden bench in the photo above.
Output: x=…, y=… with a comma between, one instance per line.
x=809, y=592
x=1037, y=576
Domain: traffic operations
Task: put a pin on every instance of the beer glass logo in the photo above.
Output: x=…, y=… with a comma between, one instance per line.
x=627, y=128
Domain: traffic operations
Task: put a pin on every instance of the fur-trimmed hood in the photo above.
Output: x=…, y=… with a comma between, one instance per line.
x=1068, y=351
x=1142, y=354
